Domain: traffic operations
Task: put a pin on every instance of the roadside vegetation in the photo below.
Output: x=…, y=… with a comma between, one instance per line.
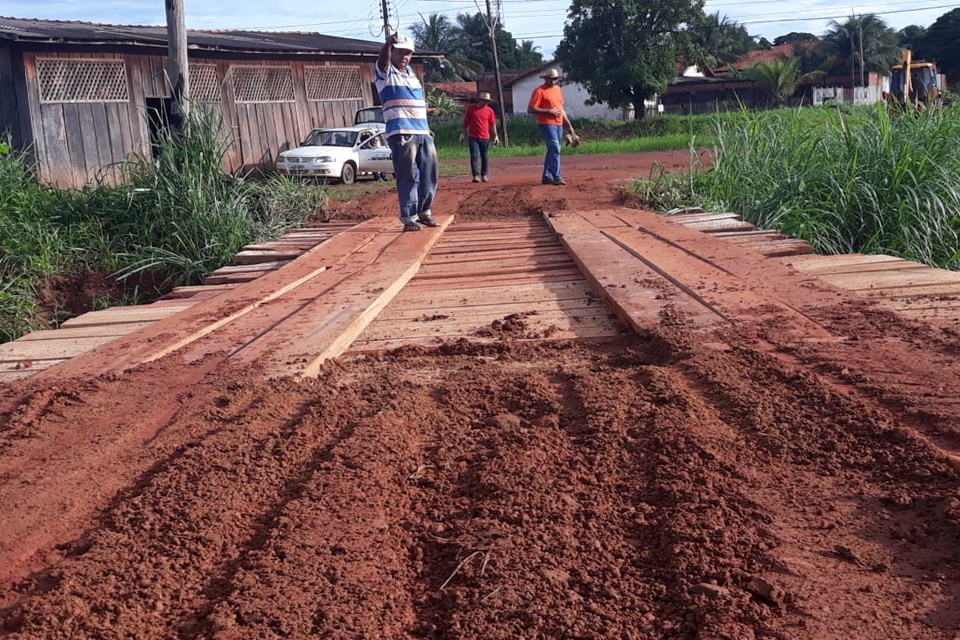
x=597, y=136
x=846, y=180
x=174, y=220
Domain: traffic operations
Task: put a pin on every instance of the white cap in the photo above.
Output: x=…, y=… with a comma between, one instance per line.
x=404, y=42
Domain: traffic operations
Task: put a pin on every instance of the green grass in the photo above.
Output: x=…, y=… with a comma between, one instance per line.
x=851, y=180
x=175, y=219
x=661, y=133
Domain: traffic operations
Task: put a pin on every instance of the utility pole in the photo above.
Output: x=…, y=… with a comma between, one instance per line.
x=177, y=67
x=863, y=82
x=492, y=26
x=385, y=10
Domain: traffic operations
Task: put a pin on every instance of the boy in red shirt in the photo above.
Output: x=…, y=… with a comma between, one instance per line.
x=546, y=102
x=477, y=123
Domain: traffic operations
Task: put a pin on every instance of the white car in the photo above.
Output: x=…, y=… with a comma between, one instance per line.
x=338, y=154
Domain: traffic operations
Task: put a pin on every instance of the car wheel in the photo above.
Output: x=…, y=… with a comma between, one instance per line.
x=348, y=174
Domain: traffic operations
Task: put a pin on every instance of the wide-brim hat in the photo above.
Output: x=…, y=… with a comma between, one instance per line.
x=551, y=74
x=484, y=96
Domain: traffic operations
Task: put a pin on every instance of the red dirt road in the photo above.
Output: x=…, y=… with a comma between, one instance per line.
x=741, y=484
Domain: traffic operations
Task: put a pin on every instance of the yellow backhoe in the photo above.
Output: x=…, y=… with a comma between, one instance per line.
x=915, y=81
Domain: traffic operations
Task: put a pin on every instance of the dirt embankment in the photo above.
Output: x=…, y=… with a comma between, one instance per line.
x=660, y=486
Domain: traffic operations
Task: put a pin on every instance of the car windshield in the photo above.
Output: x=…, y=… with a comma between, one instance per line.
x=366, y=116
x=330, y=138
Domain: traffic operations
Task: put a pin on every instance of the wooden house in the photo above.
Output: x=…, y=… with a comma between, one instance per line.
x=83, y=97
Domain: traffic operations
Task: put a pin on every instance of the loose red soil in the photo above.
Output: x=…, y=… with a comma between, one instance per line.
x=667, y=485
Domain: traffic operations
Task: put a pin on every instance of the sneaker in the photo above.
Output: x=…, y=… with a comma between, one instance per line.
x=484, y=178
x=476, y=178
x=411, y=226
x=559, y=182
x=428, y=221
x=545, y=181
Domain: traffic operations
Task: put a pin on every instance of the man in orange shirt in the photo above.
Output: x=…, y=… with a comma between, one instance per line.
x=546, y=102
x=477, y=123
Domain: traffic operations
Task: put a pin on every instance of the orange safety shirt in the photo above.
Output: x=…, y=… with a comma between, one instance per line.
x=547, y=98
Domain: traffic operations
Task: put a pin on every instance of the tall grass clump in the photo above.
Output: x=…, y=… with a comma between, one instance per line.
x=190, y=216
x=176, y=217
x=867, y=180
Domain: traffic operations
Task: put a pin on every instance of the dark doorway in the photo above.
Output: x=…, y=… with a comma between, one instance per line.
x=161, y=118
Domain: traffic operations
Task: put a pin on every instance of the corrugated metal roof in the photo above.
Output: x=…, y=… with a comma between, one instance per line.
x=88, y=33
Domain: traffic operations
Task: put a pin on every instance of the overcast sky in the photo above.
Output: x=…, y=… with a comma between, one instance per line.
x=538, y=20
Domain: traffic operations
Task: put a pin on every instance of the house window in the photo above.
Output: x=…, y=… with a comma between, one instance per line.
x=204, y=85
x=333, y=83
x=263, y=84
x=61, y=80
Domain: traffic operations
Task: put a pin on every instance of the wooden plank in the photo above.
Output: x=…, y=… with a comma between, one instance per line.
x=686, y=218
x=945, y=289
x=748, y=236
x=325, y=328
x=86, y=331
x=121, y=315
x=248, y=257
x=49, y=349
x=250, y=268
x=718, y=290
x=493, y=268
x=712, y=226
x=603, y=218
x=495, y=294
x=7, y=377
x=920, y=304
x=896, y=279
x=467, y=258
x=634, y=291
x=605, y=332
x=501, y=281
x=898, y=266
x=399, y=311
x=804, y=263
x=542, y=324
x=75, y=145
x=91, y=147
x=206, y=317
x=464, y=267
x=30, y=366
x=188, y=292
x=239, y=278
x=782, y=248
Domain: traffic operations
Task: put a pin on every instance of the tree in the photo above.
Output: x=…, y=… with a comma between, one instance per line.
x=794, y=36
x=911, y=37
x=779, y=78
x=625, y=51
x=437, y=33
x=466, y=45
x=718, y=41
x=528, y=55
x=942, y=43
x=862, y=43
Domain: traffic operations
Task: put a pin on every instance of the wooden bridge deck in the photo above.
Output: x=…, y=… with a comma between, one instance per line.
x=317, y=293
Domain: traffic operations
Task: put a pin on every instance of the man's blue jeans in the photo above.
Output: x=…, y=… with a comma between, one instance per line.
x=478, y=156
x=415, y=167
x=551, y=134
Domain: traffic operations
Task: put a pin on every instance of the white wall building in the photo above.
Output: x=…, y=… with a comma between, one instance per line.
x=574, y=97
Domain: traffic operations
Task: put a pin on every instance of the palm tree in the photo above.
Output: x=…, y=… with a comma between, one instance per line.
x=718, y=41
x=437, y=33
x=779, y=78
x=861, y=44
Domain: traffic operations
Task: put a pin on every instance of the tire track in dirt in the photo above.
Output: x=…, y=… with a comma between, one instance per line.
x=146, y=565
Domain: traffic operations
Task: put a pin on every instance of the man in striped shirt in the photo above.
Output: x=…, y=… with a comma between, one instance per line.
x=408, y=134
